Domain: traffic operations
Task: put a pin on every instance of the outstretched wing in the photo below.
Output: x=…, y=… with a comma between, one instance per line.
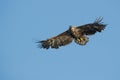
x=92, y=28
x=57, y=41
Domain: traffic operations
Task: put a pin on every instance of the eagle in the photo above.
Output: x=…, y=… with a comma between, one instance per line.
x=77, y=33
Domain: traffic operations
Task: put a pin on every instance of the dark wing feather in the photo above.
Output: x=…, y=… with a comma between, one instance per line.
x=92, y=28
x=57, y=41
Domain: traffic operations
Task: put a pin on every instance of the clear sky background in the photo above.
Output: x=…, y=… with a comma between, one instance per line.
x=23, y=22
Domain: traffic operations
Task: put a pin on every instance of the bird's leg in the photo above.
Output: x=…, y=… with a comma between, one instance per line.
x=79, y=40
x=82, y=39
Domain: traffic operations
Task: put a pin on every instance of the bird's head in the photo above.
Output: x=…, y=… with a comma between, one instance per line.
x=73, y=30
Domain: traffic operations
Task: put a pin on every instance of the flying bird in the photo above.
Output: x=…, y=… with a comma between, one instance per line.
x=79, y=34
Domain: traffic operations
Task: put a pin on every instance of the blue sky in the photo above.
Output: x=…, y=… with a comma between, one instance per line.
x=23, y=22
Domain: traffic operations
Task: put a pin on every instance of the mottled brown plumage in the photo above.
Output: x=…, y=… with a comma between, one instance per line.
x=78, y=34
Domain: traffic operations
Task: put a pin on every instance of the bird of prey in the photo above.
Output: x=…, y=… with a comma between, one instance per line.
x=78, y=34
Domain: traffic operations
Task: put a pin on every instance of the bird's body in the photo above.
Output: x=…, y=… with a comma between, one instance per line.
x=78, y=34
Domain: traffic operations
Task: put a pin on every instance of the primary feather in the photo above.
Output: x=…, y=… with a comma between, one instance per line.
x=79, y=34
x=57, y=41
